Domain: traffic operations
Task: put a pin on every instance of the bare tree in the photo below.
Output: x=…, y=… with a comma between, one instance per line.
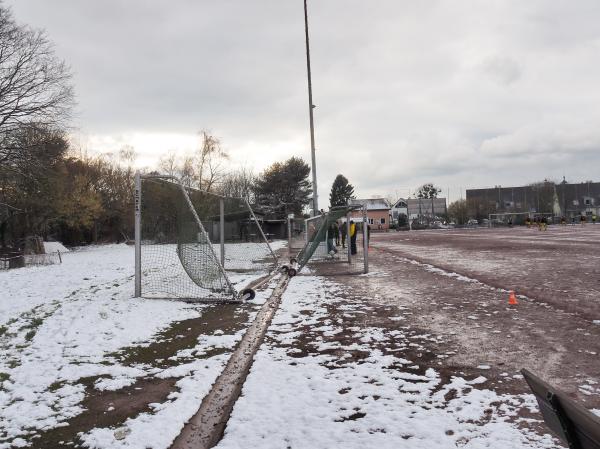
x=187, y=172
x=238, y=183
x=203, y=169
x=36, y=98
x=168, y=164
x=35, y=86
x=209, y=161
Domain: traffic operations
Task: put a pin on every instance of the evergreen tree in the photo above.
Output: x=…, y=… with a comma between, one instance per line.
x=284, y=188
x=341, y=191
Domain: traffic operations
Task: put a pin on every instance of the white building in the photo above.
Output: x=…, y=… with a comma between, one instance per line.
x=419, y=208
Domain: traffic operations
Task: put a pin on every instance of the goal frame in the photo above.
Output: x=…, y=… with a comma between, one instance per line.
x=245, y=293
x=504, y=214
x=311, y=246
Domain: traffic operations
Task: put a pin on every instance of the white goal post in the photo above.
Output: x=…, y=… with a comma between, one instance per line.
x=499, y=217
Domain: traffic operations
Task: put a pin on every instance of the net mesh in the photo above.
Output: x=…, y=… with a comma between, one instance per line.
x=180, y=244
x=245, y=248
x=508, y=219
x=329, y=244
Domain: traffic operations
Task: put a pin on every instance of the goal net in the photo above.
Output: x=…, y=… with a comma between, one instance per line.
x=508, y=219
x=330, y=242
x=192, y=244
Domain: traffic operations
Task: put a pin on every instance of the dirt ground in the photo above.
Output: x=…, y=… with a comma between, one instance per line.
x=559, y=266
x=452, y=287
x=550, y=332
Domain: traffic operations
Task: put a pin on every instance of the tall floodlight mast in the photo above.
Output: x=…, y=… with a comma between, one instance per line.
x=311, y=106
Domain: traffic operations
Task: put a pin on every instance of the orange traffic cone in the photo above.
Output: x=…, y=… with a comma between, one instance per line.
x=512, y=299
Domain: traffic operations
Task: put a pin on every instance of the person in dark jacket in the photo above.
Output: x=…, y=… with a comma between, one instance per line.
x=343, y=232
x=331, y=235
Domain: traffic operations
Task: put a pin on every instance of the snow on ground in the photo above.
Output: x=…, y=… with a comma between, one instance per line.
x=52, y=247
x=320, y=394
x=62, y=323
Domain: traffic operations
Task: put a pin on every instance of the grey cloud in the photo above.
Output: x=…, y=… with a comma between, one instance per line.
x=456, y=92
x=503, y=70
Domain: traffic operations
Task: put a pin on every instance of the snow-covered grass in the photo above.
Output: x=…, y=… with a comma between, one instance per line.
x=62, y=323
x=322, y=396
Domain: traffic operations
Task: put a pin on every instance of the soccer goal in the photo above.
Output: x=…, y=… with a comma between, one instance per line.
x=508, y=219
x=337, y=240
x=196, y=245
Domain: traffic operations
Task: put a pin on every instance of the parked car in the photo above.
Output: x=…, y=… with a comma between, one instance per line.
x=472, y=222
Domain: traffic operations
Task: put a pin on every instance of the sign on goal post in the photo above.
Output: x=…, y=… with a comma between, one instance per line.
x=196, y=245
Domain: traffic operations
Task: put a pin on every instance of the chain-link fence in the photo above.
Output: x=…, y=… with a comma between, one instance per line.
x=28, y=255
x=296, y=235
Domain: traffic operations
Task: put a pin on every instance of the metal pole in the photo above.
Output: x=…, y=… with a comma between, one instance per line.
x=261, y=231
x=138, y=234
x=207, y=239
x=311, y=106
x=348, y=237
x=289, y=230
x=365, y=241
x=222, y=231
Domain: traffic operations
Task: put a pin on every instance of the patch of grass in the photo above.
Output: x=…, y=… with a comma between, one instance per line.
x=13, y=364
x=36, y=322
x=56, y=385
x=3, y=330
x=4, y=376
x=29, y=335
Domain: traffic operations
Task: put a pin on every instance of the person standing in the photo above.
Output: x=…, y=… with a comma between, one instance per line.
x=352, y=237
x=331, y=249
x=336, y=233
x=343, y=231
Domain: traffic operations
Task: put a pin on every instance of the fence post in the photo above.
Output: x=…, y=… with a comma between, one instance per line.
x=348, y=237
x=365, y=240
x=289, y=231
x=222, y=231
x=138, y=234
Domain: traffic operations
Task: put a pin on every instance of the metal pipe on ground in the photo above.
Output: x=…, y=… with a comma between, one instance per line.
x=205, y=429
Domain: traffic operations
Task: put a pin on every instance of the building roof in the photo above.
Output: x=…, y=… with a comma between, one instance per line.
x=372, y=203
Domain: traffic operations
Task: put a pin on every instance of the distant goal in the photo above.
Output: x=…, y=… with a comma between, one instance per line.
x=508, y=219
x=195, y=245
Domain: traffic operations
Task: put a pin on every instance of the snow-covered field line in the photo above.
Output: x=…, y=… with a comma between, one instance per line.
x=63, y=323
x=452, y=274
x=325, y=378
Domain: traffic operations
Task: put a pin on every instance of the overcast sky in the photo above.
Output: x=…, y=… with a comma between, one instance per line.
x=459, y=93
